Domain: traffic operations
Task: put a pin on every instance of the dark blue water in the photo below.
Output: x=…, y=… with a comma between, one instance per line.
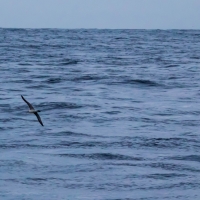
x=121, y=114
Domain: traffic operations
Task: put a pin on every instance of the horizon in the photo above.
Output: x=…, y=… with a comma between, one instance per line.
x=153, y=29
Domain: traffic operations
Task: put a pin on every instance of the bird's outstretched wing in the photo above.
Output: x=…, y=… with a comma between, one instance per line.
x=29, y=105
x=39, y=119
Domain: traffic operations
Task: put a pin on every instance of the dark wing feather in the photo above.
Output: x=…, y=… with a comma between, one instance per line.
x=29, y=105
x=39, y=119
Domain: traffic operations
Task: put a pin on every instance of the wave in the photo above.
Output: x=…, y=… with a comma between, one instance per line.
x=102, y=156
x=89, y=77
x=138, y=82
x=68, y=62
x=59, y=105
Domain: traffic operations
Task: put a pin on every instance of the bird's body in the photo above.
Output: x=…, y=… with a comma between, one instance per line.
x=32, y=110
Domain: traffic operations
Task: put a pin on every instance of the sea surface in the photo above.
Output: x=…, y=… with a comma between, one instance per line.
x=121, y=114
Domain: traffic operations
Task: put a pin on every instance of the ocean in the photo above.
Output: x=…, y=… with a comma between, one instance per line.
x=121, y=114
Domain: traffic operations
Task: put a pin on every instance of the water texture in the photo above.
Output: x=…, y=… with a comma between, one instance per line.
x=120, y=110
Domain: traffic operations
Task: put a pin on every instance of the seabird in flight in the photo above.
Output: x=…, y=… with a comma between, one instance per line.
x=32, y=110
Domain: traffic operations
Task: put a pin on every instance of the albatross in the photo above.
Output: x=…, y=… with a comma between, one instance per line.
x=32, y=110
